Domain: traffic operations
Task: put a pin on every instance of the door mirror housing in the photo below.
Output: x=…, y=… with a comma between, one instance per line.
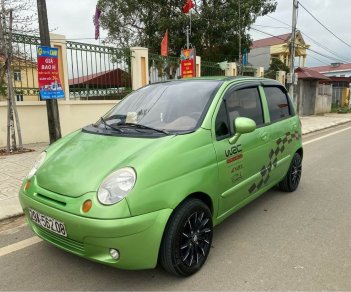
x=242, y=126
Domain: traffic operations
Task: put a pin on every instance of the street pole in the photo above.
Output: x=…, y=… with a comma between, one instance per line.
x=187, y=38
x=240, y=61
x=292, y=50
x=51, y=104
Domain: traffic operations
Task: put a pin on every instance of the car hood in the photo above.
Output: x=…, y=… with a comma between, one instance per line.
x=79, y=165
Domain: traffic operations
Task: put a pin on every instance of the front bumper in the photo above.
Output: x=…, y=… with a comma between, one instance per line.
x=137, y=238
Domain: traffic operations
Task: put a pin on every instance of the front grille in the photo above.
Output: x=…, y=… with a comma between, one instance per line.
x=60, y=241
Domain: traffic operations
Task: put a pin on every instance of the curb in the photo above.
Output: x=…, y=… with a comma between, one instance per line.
x=326, y=128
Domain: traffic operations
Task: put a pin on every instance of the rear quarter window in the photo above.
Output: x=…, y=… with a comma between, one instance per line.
x=278, y=103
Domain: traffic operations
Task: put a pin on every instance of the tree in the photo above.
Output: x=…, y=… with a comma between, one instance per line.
x=276, y=65
x=16, y=15
x=215, y=24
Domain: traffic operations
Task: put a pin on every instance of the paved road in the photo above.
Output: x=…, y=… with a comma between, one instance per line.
x=298, y=241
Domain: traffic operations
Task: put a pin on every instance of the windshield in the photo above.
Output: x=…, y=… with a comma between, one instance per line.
x=169, y=107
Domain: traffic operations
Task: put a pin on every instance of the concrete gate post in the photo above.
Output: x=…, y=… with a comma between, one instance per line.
x=139, y=67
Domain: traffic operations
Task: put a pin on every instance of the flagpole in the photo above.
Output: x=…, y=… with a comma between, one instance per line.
x=187, y=37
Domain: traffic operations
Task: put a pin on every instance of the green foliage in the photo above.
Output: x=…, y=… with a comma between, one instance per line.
x=276, y=65
x=215, y=24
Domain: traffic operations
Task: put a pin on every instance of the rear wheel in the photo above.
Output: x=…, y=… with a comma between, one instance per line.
x=292, y=179
x=187, y=239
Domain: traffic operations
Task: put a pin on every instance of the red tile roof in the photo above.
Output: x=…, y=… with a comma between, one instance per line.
x=307, y=73
x=331, y=68
x=279, y=39
x=116, y=77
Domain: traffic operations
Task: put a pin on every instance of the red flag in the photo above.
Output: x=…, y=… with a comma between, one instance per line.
x=164, y=45
x=188, y=5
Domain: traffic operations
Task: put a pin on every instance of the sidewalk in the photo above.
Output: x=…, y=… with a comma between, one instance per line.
x=14, y=168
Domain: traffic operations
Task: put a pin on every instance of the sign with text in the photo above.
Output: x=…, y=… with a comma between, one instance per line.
x=187, y=60
x=48, y=73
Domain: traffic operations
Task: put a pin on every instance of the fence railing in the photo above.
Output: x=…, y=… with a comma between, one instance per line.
x=163, y=68
x=97, y=72
x=211, y=69
x=93, y=71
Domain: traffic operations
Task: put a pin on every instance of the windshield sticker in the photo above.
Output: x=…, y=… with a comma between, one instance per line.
x=273, y=159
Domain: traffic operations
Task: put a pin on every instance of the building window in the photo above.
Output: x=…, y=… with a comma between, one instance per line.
x=19, y=97
x=17, y=75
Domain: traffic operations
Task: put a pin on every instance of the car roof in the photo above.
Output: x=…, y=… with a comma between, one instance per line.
x=226, y=79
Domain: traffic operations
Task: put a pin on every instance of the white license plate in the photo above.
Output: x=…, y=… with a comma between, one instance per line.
x=48, y=222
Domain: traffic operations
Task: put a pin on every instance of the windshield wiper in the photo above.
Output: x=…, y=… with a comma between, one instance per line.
x=139, y=126
x=106, y=124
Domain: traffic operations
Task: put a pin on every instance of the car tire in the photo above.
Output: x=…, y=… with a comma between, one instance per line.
x=292, y=179
x=187, y=238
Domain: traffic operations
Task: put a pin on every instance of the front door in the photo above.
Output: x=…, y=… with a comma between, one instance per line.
x=239, y=164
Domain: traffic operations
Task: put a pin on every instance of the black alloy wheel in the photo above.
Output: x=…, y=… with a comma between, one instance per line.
x=187, y=238
x=292, y=179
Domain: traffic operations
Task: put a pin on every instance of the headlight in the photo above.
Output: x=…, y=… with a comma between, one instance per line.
x=116, y=186
x=40, y=160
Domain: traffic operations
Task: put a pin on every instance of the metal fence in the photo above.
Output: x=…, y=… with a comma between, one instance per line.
x=94, y=71
x=163, y=68
x=211, y=69
x=168, y=68
x=98, y=72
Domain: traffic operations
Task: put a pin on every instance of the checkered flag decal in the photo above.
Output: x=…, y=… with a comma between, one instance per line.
x=273, y=159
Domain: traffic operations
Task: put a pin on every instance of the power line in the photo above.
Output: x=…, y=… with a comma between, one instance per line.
x=269, y=26
x=279, y=20
x=310, y=13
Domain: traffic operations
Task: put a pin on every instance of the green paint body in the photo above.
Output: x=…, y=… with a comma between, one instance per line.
x=169, y=169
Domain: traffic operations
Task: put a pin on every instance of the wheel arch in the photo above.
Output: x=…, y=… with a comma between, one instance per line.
x=300, y=151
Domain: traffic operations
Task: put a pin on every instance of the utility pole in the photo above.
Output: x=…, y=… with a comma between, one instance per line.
x=240, y=60
x=51, y=104
x=292, y=50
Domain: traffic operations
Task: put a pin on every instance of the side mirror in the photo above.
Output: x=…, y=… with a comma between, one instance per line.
x=242, y=126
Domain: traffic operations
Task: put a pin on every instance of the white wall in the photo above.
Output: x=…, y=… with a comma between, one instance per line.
x=33, y=118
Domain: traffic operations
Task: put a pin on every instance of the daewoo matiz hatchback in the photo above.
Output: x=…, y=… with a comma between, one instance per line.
x=150, y=179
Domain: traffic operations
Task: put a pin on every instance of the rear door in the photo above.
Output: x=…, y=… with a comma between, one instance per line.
x=283, y=129
x=239, y=164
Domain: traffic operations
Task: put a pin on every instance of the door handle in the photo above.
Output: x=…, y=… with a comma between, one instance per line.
x=264, y=136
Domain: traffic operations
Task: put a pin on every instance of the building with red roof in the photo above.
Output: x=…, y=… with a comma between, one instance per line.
x=334, y=69
x=264, y=50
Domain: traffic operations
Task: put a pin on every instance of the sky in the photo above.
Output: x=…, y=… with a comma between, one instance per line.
x=73, y=18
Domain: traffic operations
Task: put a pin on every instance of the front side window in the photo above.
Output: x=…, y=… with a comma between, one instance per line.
x=244, y=103
x=221, y=124
x=171, y=106
x=278, y=103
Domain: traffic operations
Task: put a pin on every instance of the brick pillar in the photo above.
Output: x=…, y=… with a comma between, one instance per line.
x=231, y=70
x=259, y=72
x=140, y=67
x=198, y=66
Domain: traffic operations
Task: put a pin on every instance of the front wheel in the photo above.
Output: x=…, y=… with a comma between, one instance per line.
x=292, y=179
x=187, y=239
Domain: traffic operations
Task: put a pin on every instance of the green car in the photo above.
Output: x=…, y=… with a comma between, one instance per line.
x=149, y=180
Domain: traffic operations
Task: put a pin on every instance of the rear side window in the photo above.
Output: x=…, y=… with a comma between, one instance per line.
x=278, y=103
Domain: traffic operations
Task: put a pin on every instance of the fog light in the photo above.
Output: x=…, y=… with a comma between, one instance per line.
x=114, y=253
